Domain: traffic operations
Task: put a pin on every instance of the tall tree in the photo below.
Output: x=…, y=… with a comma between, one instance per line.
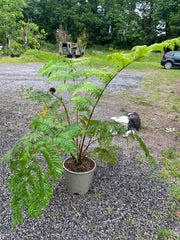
x=10, y=15
x=164, y=14
x=175, y=22
x=145, y=10
x=109, y=22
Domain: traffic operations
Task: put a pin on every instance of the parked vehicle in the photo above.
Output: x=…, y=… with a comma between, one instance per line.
x=70, y=49
x=171, y=59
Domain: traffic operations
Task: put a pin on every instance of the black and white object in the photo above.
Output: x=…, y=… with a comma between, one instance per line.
x=130, y=120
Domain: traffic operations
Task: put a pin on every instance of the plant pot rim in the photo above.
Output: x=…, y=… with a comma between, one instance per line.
x=79, y=173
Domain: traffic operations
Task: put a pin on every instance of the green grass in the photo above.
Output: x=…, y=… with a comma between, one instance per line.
x=96, y=55
x=30, y=56
x=36, y=55
x=171, y=168
x=150, y=62
x=160, y=88
x=165, y=235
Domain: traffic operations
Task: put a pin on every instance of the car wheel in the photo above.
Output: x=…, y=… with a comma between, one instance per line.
x=168, y=65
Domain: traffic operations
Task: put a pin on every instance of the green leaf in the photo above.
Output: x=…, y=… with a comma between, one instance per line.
x=37, y=95
x=103, y=75
x=107, y=154
x=143, y=146
x=63, y=87
x=83, y=103
x=91, y=88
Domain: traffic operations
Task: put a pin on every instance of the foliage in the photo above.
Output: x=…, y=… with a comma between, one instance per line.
x=62, y=35
x=30, y=35
x=49, y=47
x=121, y=24
x=38, y=56
x=16, y=47
x=165, y=235
x=171, y=163
x=65, y=125
x=10, y=15
x=32, y=55
x=170, y=169
x=83, y=40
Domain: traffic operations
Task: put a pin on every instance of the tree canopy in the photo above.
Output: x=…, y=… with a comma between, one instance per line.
x=116, y=23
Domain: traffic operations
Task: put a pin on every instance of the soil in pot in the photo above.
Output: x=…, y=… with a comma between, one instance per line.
x=86, y=165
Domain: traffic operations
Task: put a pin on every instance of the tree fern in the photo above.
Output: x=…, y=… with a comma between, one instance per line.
x=91, y=88
x=35, y=161
x=105, y=152
x=82, y=103
x=104, y=75
x=37, y=95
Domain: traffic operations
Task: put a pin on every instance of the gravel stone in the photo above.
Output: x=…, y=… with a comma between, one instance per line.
x=125, y=201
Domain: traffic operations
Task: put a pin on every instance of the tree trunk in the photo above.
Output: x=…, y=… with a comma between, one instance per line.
x=25, y=41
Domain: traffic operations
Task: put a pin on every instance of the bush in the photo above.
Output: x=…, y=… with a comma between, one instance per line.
x=16, y=48
x=6, y=51
x=49, y=47
x=35, y=55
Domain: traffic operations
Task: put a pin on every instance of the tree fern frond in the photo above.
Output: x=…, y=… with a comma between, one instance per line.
x=54, y=105
x=64, y=75
x=63, y=87
x=63, y=65
x=83, y=120
x=171, y=43
x=92, y=88
x=45, y=126
x=156, y=47
x=102, y=128
x=30, y=188
x=139, y=52
x=37, y=95
x=82, y=73
x=76, y=64
x=103, y=75
x=82, y=100
x=71, y=131
x=106, y=153
x=22, y=150
x=47, y=68
x=65, y=139
x=60, y=76
x=55, y=66
x=54, y=166
x=119, y=60
x=65, y=145
x=144, y=147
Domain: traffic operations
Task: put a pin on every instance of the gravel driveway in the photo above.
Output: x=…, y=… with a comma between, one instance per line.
x=125, y=200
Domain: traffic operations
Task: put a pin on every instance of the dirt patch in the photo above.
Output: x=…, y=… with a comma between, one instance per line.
x=159, y=112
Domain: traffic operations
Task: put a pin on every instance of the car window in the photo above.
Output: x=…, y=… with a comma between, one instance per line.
x=64, y=44
x=169, y=53
x=177, y=54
